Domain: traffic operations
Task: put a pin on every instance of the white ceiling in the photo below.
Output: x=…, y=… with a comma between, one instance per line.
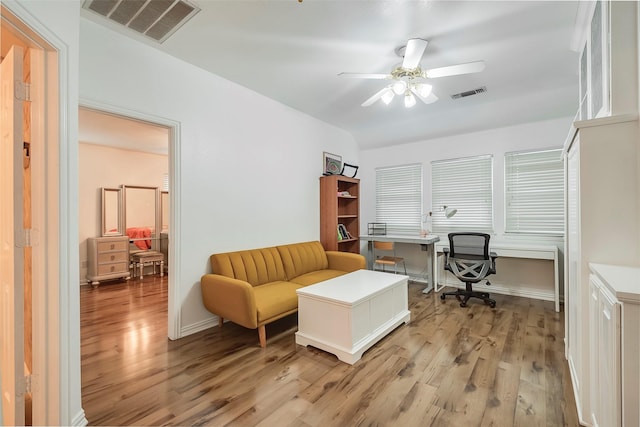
x=99, y=128
x=292, y=52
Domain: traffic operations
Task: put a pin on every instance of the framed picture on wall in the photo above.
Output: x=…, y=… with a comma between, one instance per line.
x=331, y=164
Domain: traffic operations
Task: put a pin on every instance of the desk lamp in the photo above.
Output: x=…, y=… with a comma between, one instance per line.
x=449, y=212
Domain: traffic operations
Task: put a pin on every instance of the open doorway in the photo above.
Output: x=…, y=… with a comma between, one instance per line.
x=131, y=154
x=128, y=160
x=160, y=125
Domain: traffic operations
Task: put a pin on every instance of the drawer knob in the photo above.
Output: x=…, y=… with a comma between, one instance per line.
x=112, y=268
x=113, y=246
x=113, y=257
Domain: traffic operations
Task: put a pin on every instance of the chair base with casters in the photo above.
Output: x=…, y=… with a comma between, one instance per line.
x=463, y=295
x=469, y=259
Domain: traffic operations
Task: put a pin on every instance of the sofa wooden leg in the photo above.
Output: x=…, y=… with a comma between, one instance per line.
x=220, y=321
x=262, y=333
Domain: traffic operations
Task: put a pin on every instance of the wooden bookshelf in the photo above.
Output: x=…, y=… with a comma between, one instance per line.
x=339, y=204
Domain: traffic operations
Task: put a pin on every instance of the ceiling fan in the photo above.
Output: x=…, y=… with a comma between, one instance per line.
x=409, y=80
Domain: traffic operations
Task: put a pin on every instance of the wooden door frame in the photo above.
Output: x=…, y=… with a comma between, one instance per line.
x=56, y=333
x=174, y=308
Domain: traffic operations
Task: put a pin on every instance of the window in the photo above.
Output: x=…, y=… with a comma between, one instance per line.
x=466, y=185
x=534, y=192
x=399, y=198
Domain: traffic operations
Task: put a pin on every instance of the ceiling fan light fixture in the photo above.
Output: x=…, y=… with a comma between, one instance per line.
x=387, y=97
x=399, y=87
x=407, y=78
x=423, y=89
x=409, y=100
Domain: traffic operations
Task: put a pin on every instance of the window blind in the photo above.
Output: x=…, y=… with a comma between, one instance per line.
x=399, y=198
x=466, y=185
x=534, y=192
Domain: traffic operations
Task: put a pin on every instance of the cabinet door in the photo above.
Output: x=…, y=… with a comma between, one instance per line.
x=609, y=358
x=594, y=349
x=573, y=318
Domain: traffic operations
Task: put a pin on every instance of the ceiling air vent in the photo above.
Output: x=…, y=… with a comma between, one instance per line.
x=156, y=19
x=482, y=89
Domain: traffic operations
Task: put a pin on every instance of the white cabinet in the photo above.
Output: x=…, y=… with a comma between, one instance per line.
x=614, y=322
x=602, y=195
x=602, y=227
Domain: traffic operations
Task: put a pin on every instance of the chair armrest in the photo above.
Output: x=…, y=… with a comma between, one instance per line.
x=346, y=261
x=445, y=251
x=493, y=256
x=230, y=298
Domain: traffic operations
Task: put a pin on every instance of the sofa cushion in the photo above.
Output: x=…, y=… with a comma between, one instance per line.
x=302, y=258
x=274, y=299
x=255, y=266
x=316, y=277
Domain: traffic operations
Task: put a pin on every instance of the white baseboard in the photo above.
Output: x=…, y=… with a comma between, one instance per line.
x=80, y=420
x=198, y=326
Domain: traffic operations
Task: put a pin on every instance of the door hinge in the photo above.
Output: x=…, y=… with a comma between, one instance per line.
x=22, y=91
x=28, y=385
x=27, y=237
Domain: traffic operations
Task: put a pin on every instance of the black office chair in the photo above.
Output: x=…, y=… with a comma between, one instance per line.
x=469, y=259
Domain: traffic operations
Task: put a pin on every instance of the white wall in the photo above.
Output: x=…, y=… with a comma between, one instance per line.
x=530, y=136
x=101, y=166
x=249, y=166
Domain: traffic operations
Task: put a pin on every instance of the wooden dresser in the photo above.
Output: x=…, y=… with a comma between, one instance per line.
x=108, y=258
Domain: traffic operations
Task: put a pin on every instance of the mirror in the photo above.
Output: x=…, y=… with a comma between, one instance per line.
x=141, y=216
x=111, y=212
x=164, y=211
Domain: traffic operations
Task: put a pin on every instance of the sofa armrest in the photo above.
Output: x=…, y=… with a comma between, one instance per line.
x=230, y=298
x=346, y=261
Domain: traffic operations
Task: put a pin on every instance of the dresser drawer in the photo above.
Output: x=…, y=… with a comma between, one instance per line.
x=111, y=257
x=120, y=267
x=107, y=258
x=120, y=245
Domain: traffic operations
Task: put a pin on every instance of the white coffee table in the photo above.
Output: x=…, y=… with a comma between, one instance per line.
x=349, y=314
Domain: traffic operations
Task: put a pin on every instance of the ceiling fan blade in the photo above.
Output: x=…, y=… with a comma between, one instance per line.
x=376, y=96
x=454, y=70
x=365, y=76
x=429, y=99
x=413, y=53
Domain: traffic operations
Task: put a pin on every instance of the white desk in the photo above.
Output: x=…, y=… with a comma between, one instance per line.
x=519, y=250
x=427, y=242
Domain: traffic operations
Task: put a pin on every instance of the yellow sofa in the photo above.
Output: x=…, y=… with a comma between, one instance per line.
x=255, y=287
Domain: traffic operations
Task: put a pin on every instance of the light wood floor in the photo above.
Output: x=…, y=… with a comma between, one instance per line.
x=450, y=366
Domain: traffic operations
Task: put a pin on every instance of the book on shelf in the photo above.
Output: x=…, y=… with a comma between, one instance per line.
x=343, y=234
